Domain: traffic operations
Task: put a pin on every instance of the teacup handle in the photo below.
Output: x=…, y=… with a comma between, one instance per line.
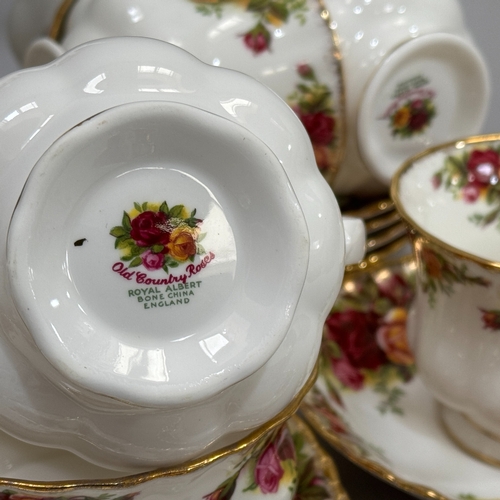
x=355, y=239
x=42, y=51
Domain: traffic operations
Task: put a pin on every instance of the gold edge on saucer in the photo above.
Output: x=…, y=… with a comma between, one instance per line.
x=186, y=468
x=333, y=439
x=322, y=460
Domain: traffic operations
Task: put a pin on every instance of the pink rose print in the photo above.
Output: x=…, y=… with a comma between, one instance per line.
x=257, y=39
x=152, y=261
x=268, y=471
x=471, y=176
x=347, y=374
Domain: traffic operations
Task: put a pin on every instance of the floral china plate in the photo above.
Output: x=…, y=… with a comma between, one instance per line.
x=316, y=474
x=370, y=404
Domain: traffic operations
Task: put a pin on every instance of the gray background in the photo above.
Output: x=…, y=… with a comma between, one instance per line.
x=483, y=19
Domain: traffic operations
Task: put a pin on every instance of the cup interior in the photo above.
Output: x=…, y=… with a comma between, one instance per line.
x=452, y=194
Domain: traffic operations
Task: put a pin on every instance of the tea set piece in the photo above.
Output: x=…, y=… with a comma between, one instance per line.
x=449, y=198
x=413, y=78
x=288, y=48
x=136, y=260
x=273, y=466
x=129, y=410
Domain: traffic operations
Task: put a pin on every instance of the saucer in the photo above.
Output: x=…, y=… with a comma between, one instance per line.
x=47, y=469
x=397, y=436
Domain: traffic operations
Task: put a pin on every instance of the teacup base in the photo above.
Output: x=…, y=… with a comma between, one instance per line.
x=470, y=436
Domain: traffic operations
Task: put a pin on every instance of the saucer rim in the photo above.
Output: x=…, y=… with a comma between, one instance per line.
x=128, y=481
x=368, y=465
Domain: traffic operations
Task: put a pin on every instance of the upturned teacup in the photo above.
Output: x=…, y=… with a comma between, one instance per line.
x=450, y=198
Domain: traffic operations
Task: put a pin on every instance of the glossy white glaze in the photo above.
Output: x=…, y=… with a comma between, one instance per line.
x=41, y=105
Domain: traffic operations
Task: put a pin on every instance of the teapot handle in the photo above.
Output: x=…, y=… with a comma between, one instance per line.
x=355, y=239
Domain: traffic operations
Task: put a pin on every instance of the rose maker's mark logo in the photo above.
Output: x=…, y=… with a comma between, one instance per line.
x=412, y=109
x=158, y=237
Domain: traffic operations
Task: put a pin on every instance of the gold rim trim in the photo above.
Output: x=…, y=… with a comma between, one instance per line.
x=374, y=468
x=186, y=468
x=340, y=79
x=413, y=226
x=322, y=460
x=465, y=448
x=57, y=28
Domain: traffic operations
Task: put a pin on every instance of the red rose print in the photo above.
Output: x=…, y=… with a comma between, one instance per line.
x=319, y=126
x=354, y=332
x=418, y=121
x=150, y=228
x=268, y=471
x=158, y=237
x=483, y=167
